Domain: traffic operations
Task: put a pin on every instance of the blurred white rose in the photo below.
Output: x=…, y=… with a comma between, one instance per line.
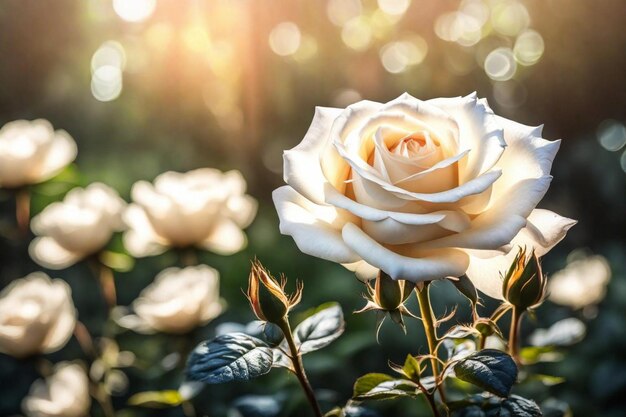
x=32, y=152
x=65, y=393
x=581, y=283
x=177, y=301
x=37, y=315
x=204, y=208
x=81, y=225
x=420, y=189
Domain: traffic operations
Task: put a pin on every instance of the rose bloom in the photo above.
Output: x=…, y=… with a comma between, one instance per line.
x=204, y=208
x=37, y=315
x=423, y=190
x=32, y=152
x=65, y=393
x=178, y=301
x=81, y=225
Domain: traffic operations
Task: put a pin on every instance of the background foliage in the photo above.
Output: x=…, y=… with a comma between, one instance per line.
x=202, y=87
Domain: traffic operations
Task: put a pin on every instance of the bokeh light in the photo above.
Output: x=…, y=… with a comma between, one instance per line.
x=107, y=65
x=396, y=57
x=357, y=33
x=509, y=18
x=500, y=64
x=612, y=135
x=529, y=47
x=341, y=11
x=285, y=38
x=394, y=7
x=134, y=10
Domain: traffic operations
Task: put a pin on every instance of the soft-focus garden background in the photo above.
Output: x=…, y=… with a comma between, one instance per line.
x=145, y=87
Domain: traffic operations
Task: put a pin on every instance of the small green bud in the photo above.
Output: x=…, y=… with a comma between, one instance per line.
x=524, y=285
x=267, y=297
x=389, y=294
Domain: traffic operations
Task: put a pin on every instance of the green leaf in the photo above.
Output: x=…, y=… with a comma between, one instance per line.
x=320, y=329
x=117, y=261
x=351, y=411
x=547, y=380
x=485, y=405
x=516, y=406
x=156, y=399
x=376, y=386
x=230, y=357
x=411, y=368
x=533, y=354
x=489, y=369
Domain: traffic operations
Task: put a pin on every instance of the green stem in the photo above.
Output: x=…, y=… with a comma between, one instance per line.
x=516, y=321
x=428, y=321
x=298, y=367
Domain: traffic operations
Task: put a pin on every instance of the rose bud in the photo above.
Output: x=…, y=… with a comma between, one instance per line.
x=388, y=295
x=524, y=285
x=267, y=297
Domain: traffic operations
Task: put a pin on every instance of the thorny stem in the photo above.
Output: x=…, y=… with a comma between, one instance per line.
x=429, y=398
x=516, y=321
x=22, y=210
x=298, y=367
x=431, y=334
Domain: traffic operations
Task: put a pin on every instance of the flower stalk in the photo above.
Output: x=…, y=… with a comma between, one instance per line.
x=428, y=321
x=22, y=210
x=516, y=322
x=298, y=367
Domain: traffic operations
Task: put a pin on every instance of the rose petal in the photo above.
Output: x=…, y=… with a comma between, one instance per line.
x=140, y=239
x=63, y=150
x=543, y=231
x=226, y=239
x=414, y=266
x=479, y=131
x=49, y=254
x=301, y=167
x=316, y=229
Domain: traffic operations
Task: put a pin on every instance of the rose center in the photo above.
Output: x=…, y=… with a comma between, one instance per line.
x=414, y=145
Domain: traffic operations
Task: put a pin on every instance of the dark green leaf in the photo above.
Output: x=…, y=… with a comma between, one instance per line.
x=320, y=329
x=351, y=411
x=516, y=406
x=489, y=369
x=382, y=387
x=534, y=354
x=230, y=357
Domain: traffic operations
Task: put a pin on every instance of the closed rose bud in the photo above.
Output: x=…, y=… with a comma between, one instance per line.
x=267, y=297
x=524, y=285
x=389, y=293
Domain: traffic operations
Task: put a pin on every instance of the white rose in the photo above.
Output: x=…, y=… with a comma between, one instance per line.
x=420, y=189
x=204, y=208
x=177, y=301
x=63, y=394
x=81, y=225
x=32, y=152
x=37, y=315
x=581, y=283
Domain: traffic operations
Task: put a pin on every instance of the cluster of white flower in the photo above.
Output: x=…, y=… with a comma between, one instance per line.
x=204, y=209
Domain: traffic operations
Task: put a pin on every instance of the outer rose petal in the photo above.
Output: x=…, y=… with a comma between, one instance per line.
x=140, y=239
x=424, y=266
x=227, y=238
x=63, y=328
x=363, y=270
x=49, y=254
x=62, y=151
x=543, y=231
x=302, y=169
x=316, y=229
